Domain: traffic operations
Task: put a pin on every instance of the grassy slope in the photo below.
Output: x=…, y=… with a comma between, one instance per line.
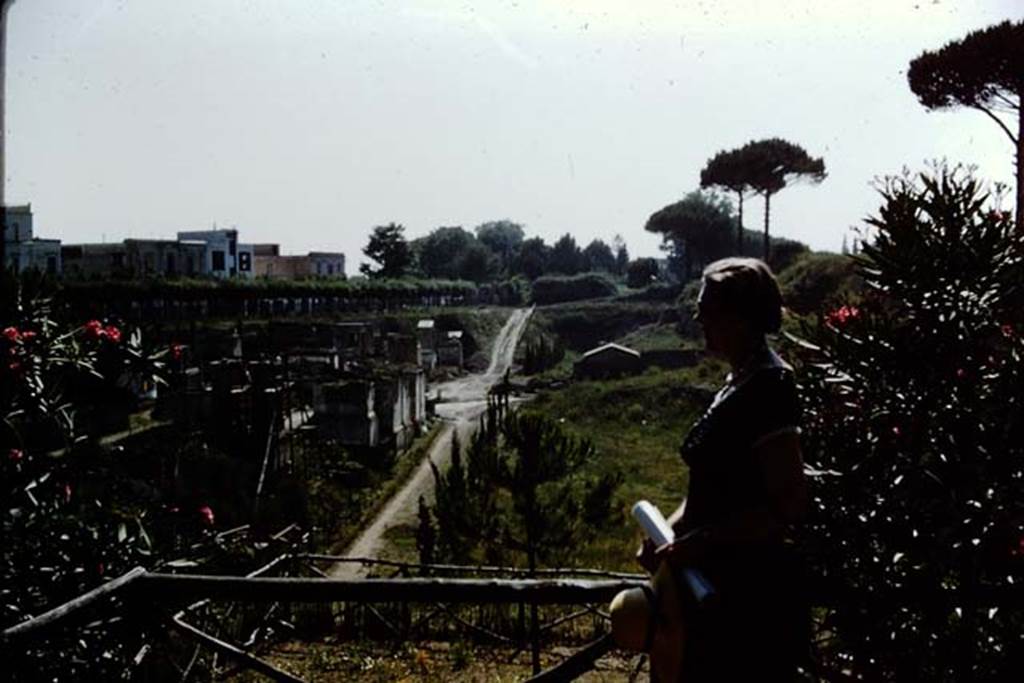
x=636, y=424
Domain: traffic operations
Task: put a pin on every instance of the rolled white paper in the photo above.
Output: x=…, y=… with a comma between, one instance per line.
x=654, y=524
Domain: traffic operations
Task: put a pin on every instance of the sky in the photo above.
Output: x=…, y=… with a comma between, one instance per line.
x=308, y=122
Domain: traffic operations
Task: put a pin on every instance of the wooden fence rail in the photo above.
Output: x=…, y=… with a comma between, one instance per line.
x=173, y=587
x=162, y=590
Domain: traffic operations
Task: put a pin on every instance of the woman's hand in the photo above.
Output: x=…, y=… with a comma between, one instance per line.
x=645, y=557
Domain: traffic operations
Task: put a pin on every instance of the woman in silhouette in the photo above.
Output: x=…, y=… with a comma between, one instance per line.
x=746, y=491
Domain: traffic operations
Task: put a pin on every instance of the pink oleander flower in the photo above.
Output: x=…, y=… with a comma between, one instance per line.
x=176, y=351
x=207, y=514
x=94, y=330
x=113, y=334
x=11, y=334
x=15, y=455
x=842, y=315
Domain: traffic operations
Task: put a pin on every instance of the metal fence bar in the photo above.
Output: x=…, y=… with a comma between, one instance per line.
x=228, y=650
x=578, y=663
x=423, y=590
x=472, y=569
x=61, y=612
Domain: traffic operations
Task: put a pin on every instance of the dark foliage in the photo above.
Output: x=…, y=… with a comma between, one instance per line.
x=984, y=70
x=695, y=231
x=519, y=497
x=726, y=170
x=554, y=289
x=388, y=247
x=772, y=165
x=915, y=421
x=641, y=273
x=598, y=256
x=566, y=257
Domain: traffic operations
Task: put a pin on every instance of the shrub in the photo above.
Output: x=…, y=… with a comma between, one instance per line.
x=554, y=289
x=816, y=279
x=915, y=410
x=61, y=535
x=642, y=272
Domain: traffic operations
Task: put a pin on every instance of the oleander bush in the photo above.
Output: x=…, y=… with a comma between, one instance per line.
x=61, y=536
x=915, y=425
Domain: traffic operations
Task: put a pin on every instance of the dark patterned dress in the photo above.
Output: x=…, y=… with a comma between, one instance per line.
x=759, y=629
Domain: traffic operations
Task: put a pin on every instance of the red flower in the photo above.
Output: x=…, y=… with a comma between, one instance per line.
x=1007, y=330
x=14, y=367
x=15, y=454
x=207, y=514
x=896, y=430
x=960, y=373
x=176, y=351
x=94, y=330
x=113, y=334
x=100, y=568
x=11, y=334
x=842, y=315
x=27, y=336
x=67, y=493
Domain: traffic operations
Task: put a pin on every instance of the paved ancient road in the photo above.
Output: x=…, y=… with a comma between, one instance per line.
x=464, y=400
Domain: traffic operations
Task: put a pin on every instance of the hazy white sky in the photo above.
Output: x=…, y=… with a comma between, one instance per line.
x=307, y=122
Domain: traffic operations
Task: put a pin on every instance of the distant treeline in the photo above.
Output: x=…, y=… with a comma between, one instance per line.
x=175, y=298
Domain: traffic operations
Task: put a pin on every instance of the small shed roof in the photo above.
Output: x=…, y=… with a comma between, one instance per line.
x=611, y=347
x=425, y=325
x=455, y=334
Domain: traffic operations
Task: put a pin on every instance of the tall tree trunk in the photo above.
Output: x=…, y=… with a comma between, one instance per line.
x=4, y=6
x=1020, y=165
x=531, y=559
x=767, y=210
x=739, y=228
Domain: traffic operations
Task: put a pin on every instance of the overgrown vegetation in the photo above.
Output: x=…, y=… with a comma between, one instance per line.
x=914, y=418
x=521, y=498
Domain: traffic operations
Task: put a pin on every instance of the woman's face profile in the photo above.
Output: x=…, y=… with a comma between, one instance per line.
x=722, y=328
x=708, y=318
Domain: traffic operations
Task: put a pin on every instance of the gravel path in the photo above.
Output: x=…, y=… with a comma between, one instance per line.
x=464, y=400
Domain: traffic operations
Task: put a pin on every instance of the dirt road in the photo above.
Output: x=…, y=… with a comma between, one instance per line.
x=463, y=400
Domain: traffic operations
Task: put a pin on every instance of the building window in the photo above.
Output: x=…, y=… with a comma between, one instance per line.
x=232, y=247
x=218, y=259
x=244, y=262
x=330, y=269
x=172, y=266
x=17, y=233
x=51, y=265
x=118, y=261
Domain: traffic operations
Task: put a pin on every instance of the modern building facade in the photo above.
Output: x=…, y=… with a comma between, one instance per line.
x=270, y=263
x=23, y=250
x=225, y=257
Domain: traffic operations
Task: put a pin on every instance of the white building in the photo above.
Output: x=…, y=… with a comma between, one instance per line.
x=327, y=263
x=23, y=250
x=225, y=257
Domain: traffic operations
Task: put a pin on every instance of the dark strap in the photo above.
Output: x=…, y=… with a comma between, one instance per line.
x=652, y=616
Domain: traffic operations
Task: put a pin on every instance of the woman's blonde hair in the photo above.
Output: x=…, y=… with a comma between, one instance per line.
x=746, y=287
